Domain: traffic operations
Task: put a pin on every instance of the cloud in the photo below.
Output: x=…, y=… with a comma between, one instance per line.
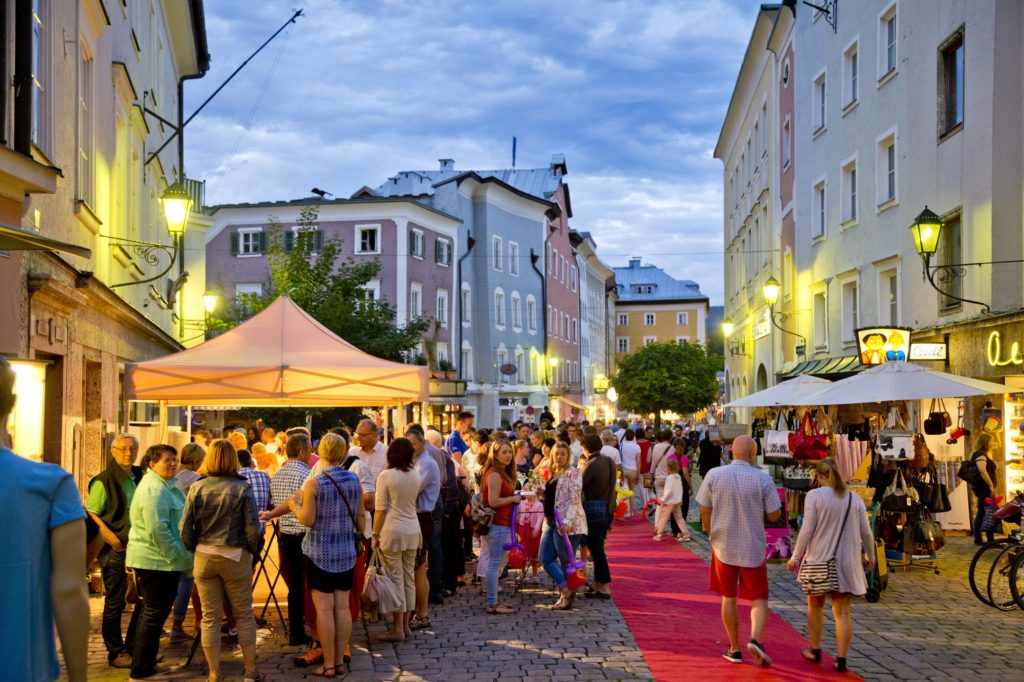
x=632, y=91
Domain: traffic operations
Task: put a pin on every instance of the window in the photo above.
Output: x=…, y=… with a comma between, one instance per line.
x=950, y=252
x=442, y=352
x=572, y=278
x=499, y=308
x=442, y=308
x=886, y=162
x=42, y=70
x=851, y=68
x=850, y=311
x=520, y=367
x=764, y=129
x=650, y=340
x=513, y=258
x=517, y=311
x=622, y=344
x=623, y=319
x=299, y=235
x=683, y=319
x=951, y=95
x=467, y=362
x=496, y=252
x=371, y=292
x=887, y=54
x=680, y=340
x=442, y=252
x=888, y=297
x=416, y=243
x=502, y=361
x=648, y=319
x=85, y=175
x=818, y=215
x=467, y=305
x=248, y=289
x=819, y=102
x=415, y=300
x=367, y=238
x=531, y=314
x=820, y=322
x=575, y=330
x=787, y=141
x=849, y=207
x=249, y=241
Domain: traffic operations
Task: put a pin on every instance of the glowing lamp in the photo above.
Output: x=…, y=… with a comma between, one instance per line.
x=727, y=327
x=177, y=203
x=926, y=228
x=210, y=301
x=771, y=290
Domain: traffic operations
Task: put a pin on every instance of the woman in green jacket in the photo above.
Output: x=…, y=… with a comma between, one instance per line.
x=156, y=552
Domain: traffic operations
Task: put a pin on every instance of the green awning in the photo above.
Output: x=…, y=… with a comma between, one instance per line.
x=828, y=368
x=17, y=239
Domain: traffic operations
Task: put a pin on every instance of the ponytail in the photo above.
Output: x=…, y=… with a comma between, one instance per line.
x=827, y=468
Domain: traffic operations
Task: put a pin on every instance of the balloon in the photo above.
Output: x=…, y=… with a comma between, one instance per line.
x=620, y=511
x=516, y=558
x=576, y=579
x=513, y=545
x=576, y=565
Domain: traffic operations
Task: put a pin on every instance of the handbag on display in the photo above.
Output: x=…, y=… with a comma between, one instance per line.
x=899, y=497
x=808, y=443
x=928, y=536
x=922, y=455
x=776, y=442
x=938, y=501
x=820, y=577
x=797, y=478
x=938, y=420
x=895, y=441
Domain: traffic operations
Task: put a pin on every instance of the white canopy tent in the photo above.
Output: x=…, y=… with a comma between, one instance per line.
x=901, y=381
x=794, y=392
x=281, y=357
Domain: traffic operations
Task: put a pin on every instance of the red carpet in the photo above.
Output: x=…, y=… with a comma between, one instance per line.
x=661, y=591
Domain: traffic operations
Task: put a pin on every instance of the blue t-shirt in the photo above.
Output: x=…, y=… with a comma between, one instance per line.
x=38, y=498
x=455, y=444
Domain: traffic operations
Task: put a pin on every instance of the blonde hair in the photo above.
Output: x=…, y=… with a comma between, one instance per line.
x=333, y=448
x=554, y=467
x=518, y=445
x=828, y=470
x=264, y=460
x=237, y=440
x=672, y=465
x=221, y=459
x=984, y=442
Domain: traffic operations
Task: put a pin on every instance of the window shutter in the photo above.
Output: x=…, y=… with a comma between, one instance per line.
x=318, y=240
x=234, y=243
x=289, y=241
x=439, y=251
x=263, y=242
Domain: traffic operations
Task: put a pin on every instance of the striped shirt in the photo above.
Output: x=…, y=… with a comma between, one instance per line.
x=288, y=479
x=739, y=495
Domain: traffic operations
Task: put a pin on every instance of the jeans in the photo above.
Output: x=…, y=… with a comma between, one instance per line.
x=454, y=565
x=294, y=569
x=596, y=534
x=496, y=537
x=115, y=582
x=554, y=554
x=979, y=517
x=184, y=594
x=435, y=556
x=217, y=577
x=158, y=590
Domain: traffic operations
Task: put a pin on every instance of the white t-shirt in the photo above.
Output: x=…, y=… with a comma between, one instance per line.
x=629, y=451
x=575, y=450
x=613, y=452
x=673, y=490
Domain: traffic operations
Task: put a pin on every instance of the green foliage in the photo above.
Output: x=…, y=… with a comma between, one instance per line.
x=329, y=288
x=666, y=376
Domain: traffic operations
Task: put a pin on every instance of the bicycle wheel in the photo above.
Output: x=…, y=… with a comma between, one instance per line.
x=999, y=578
x=1017, y=581
x=981, y=564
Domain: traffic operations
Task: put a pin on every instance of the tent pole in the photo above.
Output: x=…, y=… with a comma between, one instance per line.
x=387, y=422
x=163, y=421
x=188, y=425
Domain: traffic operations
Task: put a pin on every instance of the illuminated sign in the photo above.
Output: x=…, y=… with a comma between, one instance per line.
x=878, y=345
x=928, y=351
x=995, y=353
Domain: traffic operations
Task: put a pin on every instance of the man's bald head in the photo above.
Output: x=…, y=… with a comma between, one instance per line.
x=744, y=448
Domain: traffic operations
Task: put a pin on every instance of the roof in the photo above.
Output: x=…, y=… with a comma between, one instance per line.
x=309, y=201
x=665, y=287
x=537, y=182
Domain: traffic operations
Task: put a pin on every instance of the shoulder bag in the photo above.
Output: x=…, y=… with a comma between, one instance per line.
x=480, y=514
x=938, y=420
x=357, y=537
x=969, y=472
x=899, y=497
x=776, y=442
x=648, y=477
x=821, y=577
x=895, y=440
x=808, y=443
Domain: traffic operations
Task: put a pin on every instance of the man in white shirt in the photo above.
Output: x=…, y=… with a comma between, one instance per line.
x=575, y=445
x=368, y=448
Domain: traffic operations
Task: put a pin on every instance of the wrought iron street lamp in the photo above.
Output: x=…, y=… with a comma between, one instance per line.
x=736, y=346
x=926, y=230
x=770, y=290
x=177, y=204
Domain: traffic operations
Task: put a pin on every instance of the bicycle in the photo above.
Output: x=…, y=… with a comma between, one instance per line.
x=1001, y=578
x=984, y=561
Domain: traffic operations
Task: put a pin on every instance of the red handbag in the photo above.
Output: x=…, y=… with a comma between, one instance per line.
x=807, y=442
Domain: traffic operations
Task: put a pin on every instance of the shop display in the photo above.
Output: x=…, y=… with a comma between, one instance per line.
x=1013, y=472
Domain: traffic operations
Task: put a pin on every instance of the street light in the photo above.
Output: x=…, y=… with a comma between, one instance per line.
x=771, y=290
x=926, y=230
x=613, y=395
x=727, y=327
x=177, y=203
x=736, y=347
x=210, y=301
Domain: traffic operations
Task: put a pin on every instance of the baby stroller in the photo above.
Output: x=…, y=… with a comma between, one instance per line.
x=878, y=577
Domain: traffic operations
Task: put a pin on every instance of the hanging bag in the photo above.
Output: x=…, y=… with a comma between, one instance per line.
x=776, y=442
x=922, y=455
x=808, y=443
x=895, y=441
x=899, y=497
x=938, y=419
x=822, y=577
x=928, y=535
x=938, y=501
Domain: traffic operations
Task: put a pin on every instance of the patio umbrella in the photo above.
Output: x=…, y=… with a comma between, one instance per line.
x=902, y=381
x=792, y=392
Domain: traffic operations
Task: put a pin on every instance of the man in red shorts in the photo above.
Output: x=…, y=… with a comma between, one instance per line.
x=734, y=502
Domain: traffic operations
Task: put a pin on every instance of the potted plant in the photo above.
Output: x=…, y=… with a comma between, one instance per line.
x=419, y=359
x=446, y=368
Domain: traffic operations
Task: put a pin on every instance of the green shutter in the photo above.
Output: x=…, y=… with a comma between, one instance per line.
x=318, y=241
x=289, y=241
x=234, y=243
x=263, y=242
x=438, y=250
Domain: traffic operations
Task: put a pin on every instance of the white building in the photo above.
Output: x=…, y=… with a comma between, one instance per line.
x=597, y=286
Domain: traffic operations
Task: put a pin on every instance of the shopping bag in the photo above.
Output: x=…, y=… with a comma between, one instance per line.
x=776, y=443
x=378, y=588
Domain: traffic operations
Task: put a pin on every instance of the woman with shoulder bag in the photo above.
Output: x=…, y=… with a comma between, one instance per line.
x=834, y=546
x=330, y=506
x=984, y=486
x=660, y=451
x=563, y=496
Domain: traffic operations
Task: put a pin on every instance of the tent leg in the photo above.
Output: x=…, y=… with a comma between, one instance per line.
x=163, y=421
x=188, y=422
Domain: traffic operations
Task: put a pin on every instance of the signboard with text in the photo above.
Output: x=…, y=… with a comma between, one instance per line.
x=929, y=351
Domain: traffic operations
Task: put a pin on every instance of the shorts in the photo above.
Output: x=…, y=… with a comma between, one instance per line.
x=723, y=578
x=327, y=582
x=426, y=520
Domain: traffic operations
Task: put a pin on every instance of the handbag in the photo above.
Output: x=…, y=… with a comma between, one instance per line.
x=776, y=442
x=922, y=456
x=379, y=590
x=808, y=443
x=820, y=577
x=131, y=586
x=928, y=536
x=480, y=514
x=899, y=497
x=938, y=501
x=358, y=538
x=938, y=420
x=797, y=478
x=895, y=441
x=969, y=473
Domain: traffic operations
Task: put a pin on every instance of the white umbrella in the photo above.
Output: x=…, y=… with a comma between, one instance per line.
x=792, y=392
x=902, y=381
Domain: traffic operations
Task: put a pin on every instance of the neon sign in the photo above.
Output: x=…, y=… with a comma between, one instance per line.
x=994, y=352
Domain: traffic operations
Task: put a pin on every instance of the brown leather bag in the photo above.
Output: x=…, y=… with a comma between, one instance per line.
x=921, y=453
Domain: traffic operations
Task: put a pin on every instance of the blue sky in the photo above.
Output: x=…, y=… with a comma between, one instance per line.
x=632, y=92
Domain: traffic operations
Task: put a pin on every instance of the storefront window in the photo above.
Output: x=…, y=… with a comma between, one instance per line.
x=26, y=422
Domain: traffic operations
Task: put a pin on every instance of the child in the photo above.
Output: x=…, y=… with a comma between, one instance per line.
x=671, y=501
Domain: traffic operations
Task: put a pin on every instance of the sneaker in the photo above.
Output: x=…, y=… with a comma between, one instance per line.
x=122, y=660
x=761, y=657
x=733, y=656
x=180, y=636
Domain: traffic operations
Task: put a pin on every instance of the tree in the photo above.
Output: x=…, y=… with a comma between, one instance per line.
x=666, y=376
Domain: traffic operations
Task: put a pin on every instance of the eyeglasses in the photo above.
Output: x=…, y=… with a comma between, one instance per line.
x=363, y=435
x=133, y=448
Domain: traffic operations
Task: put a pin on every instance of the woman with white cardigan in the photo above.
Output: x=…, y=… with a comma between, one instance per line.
x=835, y=527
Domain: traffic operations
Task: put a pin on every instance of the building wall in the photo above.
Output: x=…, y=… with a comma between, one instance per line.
x=563, y=300
x=665, y=328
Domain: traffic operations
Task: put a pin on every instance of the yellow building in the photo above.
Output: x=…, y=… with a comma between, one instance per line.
x=653, y=307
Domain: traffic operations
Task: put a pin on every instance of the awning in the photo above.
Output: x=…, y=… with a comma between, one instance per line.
x=16, y=239
x=827, y=368
x=571, y=403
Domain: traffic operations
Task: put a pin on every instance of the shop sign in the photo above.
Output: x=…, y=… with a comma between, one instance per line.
x=762, y=327
x=929, y=351
x=878, y=345
x=997, y=356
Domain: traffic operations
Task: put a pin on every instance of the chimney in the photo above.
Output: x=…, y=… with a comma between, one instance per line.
x=634, y=263
x=447, y=164
x=557, y=165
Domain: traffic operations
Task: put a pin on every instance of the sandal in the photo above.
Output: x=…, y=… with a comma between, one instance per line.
x=499, y=610
x=311, y=657
x=811, y=655
x=322, y=671
x=419, y=623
